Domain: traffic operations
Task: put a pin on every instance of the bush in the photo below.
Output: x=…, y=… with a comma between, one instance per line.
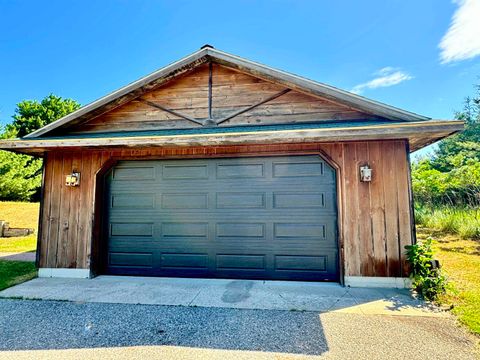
x=427, y=281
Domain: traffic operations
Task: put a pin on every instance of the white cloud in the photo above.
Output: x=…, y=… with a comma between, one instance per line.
x=462, y=40
x=387, y=76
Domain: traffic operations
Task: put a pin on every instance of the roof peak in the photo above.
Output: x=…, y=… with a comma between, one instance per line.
x=209, y=53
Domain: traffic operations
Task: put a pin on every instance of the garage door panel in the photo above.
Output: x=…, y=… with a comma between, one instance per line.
x=184, y=201
x=131, y=229
x=299, y=230
x=133, y=200
x=137, y=173
x=184, y=172
x=270, y=218
x=126, y=259
x=240, y=230
x=184, y=229
x=236, y=171
x=298, y=200
x=301, y=263
x=235, y=261
x=184, y=260
x=241, y=200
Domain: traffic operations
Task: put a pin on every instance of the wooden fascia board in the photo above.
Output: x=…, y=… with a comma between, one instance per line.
x=428, y=130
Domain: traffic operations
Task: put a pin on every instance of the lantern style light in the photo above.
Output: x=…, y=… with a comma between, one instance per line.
x=365, y=173
x=72, y=179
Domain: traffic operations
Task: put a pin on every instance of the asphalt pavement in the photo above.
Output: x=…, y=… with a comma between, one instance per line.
x=38, y=329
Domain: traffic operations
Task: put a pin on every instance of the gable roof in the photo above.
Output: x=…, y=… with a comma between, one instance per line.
x=206, y=54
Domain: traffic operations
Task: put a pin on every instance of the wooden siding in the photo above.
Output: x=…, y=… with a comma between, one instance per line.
x=231, y=91
x=374, y=218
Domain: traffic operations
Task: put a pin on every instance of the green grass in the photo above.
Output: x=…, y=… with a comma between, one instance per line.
x=460, y=259
x=19, y=214
x=15, y=272
x=463, y=222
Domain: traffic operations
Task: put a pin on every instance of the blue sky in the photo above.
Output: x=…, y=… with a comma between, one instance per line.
x=391, y=51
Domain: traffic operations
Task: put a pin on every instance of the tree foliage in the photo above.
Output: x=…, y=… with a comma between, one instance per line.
x=452, y=175
x=20, y=175
x=31, y=115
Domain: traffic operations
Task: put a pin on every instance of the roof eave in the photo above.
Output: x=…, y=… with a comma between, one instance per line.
x=419, y=134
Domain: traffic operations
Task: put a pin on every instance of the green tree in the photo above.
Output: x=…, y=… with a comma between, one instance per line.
x=31, y=115
x=20, y=175
x=456, y=150
x=452, y=175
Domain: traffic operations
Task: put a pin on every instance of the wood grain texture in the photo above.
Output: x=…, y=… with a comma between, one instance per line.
x=377, y=207
x=231, y=92
x=374, y=218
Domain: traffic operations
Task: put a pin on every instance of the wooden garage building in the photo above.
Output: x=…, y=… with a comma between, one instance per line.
x=216, y=166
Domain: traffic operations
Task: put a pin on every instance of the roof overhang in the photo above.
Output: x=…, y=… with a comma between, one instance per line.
x=204, y=55
x=419, y=134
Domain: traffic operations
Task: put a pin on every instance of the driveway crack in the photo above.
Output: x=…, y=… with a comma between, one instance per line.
x=198, y=293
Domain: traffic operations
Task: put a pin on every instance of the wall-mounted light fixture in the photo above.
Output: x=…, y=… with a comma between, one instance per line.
x=72, y=179
x=365, y=173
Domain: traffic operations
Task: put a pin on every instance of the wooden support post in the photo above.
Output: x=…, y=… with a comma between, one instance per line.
x=210, y=84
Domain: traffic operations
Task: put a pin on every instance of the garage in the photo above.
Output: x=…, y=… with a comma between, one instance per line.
x=216, y=166
x=258, y=218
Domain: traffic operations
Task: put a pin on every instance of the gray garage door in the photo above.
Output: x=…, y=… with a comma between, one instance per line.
x=264, y=218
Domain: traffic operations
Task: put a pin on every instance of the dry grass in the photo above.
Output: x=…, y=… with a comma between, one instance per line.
x=19, y=214
x=460, y=259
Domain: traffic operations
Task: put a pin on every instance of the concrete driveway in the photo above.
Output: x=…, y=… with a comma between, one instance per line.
x=221, y=319
x=238, y=294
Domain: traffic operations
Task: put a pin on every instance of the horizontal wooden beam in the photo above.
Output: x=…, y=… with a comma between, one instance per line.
x=424, y=132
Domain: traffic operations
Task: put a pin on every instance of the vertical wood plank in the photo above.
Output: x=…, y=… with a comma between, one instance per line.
x=73, y=217
x=390, y=171
x=54, y=220
x=404, y=215
x=83, y=205
x=64, y=214
x=365, y=245
x=352, y=254
x=377, y=203
x=48, y=163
